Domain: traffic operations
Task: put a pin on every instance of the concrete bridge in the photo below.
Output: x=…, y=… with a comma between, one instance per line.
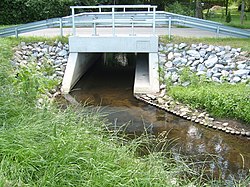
x=84, y=50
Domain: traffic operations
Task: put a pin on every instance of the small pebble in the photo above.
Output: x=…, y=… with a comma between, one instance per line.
x=225, y=124
x=243, y=133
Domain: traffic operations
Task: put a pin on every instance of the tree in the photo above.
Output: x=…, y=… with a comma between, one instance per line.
x=198, y=9
x=226, y=7
x=242, y=11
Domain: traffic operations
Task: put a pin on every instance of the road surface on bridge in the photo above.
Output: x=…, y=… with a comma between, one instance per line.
x=102, y=31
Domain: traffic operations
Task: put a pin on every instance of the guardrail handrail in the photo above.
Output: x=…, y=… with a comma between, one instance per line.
x=129, y=16
x=113, y=12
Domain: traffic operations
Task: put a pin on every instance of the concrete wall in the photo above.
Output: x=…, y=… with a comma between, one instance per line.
x=77, y=66
x=146, y=73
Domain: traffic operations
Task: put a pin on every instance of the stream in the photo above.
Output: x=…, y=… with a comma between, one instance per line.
x=110, y=86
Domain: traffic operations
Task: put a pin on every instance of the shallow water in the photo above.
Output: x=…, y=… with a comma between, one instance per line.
x=111, y=88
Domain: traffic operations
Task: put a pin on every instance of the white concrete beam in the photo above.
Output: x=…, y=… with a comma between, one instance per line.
x=77, y=66
x=113, y=44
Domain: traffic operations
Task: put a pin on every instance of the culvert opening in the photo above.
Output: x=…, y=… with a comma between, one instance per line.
x=108, y=77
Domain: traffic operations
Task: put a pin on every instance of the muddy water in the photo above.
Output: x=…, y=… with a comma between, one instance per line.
x=112, y=89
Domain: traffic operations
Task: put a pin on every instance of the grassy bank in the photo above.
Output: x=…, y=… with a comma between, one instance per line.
x=221, y=100
x=233, y=42
x=43, y=145
x=218, y=15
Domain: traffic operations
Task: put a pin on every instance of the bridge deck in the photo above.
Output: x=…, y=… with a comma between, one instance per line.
x=104, y=31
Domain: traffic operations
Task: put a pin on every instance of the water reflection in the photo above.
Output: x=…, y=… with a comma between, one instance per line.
x=112, y=89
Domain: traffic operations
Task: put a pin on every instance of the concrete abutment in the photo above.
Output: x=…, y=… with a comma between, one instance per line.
x=78, y=64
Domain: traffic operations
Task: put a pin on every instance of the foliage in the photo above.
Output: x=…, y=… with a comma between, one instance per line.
x=32, y=10
x=178, y=8
x=218, y=16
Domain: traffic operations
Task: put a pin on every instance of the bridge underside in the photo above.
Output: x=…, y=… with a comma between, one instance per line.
x=84, y=51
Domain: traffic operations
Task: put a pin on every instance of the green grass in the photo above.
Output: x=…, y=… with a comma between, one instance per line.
x=233, y=42
x=220, y=100
x=219, y=16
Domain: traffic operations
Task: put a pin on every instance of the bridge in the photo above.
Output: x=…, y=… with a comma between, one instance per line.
x=85, y=49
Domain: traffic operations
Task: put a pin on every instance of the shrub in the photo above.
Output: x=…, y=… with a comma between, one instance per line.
x=178, y=8
x=24, y=11
x=228, y=17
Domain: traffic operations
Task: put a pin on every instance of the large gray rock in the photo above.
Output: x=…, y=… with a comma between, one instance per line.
x=170, y=55
x=209, y=73
x=200, y=73
x=211, y=61
x=173, y=69
x=218, y=75
x=177, y=55
x=194, y=53
x=241, y=72
x=236, y=79
x=201, y=67
x=220, y=66
x=174, y=77
x=62, y=53
x=195, y=63
x=221, y=53
x=169, y=64
x=224, y=73
x=216, y=79
x=203, y=52
x=210, y=48
x=241, y=66
x=182, y=45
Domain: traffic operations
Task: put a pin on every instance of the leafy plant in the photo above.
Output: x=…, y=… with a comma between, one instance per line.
x=178, y=8
x=228, y=17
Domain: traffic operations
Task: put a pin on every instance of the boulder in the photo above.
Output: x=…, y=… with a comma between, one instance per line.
x=194, y=53
x=211, y=61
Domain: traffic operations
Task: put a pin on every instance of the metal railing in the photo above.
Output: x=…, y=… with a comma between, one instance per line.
x=150, y=10
x=126, y=16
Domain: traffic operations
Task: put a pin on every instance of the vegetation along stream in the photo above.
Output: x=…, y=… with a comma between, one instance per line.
x=110, y=87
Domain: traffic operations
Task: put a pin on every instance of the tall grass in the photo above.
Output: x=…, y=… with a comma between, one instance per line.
x=220, y=100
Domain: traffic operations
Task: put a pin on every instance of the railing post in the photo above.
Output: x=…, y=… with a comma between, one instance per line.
x=61, y=27
x=94, y=26
x=218, y=31
x=73, y=22
x=16, y=32
x=154, y=8
x=113, y=21
x=169, y=27
x=132, y=21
